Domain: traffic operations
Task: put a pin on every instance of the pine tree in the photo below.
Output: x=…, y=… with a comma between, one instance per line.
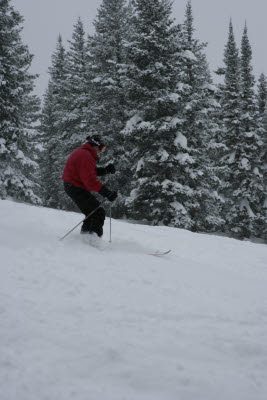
x=252, y=132
x=73, y=121
x=248, y=104
x=18, y=110
x=76, y=87
x=108, y=108
x=157, y=149
x=48, y=130
x=242, y=188
x=230, y=119
x=107, y=56
x=262, y=94
x=263, y=159
x=53, y=125
x=200, y=128
x=262, y=108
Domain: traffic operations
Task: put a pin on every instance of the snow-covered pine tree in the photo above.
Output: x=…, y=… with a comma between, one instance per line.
x=53, y=118
x=108, y=110
x=262, y=94
x=251, y=172
x=200, y=127
x=230, y=119
x=32, y=115
x=18, y=110
x=157, y=148
x=107, y=54
x=48, y=120
x=76, y=88
x=263, y=158
x=262, y=108
x=73, y=123
x=248, y=120
x=242, y=187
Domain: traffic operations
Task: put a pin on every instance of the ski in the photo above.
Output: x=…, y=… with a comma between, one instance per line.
x=159, y=253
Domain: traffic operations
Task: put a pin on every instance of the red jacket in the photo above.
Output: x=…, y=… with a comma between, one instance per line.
x=80, y=169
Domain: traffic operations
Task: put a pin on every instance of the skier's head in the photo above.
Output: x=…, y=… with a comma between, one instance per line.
x=96, y=140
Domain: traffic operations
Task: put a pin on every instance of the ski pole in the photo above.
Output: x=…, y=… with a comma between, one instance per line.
x=82, y=221
x=110, y=224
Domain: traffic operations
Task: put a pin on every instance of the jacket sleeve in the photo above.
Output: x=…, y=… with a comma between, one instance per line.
x=88, y=173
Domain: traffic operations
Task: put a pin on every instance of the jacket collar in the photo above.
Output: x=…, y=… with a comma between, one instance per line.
x=89, y=147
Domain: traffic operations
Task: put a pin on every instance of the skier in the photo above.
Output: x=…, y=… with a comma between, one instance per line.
x=80, y=178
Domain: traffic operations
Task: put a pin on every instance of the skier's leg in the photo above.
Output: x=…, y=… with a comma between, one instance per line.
x=87, y=203
x=96, y=222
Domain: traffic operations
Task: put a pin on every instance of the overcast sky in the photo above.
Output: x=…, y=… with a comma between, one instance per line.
x=45, y=19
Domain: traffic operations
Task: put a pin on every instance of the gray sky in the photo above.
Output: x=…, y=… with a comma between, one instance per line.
x=45, y=19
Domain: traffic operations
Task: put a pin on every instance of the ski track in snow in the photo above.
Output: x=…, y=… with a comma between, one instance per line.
x=114, y=323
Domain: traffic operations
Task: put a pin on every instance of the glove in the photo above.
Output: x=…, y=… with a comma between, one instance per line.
x=110, y=169
x=105, y=192
x=101, y=171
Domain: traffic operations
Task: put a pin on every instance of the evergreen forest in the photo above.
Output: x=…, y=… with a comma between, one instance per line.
x=189, y=153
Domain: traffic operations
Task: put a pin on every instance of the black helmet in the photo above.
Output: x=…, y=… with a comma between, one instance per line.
x=96, y=139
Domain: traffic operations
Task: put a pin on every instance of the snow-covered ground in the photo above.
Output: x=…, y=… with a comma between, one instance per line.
x=82, y=323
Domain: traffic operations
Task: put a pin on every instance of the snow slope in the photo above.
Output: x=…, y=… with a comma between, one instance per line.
x=77, y=322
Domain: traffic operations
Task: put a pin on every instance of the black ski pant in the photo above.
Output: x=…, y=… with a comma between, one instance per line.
x=87, y=203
